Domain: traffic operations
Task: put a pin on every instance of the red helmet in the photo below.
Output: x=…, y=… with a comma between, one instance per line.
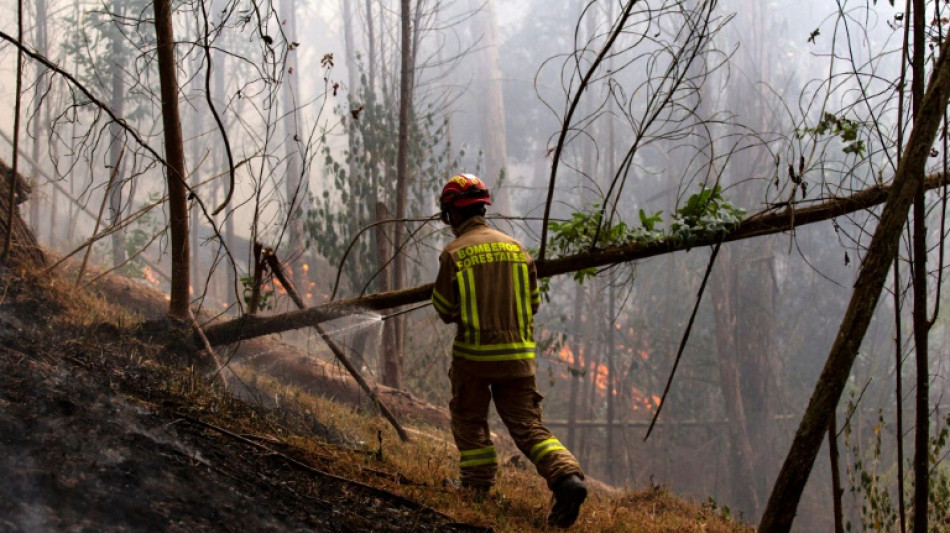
x=464, y=190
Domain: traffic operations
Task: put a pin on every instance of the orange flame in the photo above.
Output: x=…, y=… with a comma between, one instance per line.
x=639, y=400
x=567, y=355
x=279, y=287
x=150, y=276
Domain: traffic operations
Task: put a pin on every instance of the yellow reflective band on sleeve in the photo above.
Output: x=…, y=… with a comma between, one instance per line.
x=543, y=448
x=478, y=457
x=536, y=296
x=440, y=303
x=470, y=322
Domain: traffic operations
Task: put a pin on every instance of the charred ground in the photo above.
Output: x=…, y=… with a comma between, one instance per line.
x=94, y=434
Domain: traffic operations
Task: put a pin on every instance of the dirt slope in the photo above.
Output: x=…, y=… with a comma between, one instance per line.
x=93, y=436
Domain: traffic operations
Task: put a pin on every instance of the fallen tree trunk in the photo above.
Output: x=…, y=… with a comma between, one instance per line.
x=765, y=223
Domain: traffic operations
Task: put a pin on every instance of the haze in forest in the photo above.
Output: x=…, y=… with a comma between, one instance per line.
x=762, y=105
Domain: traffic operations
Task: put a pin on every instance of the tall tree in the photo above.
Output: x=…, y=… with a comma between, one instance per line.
x=921, y=321
x=490, y=103
x=786, y=493
x=178, y=307
x=11, y=195
x=40, y=89
x=117, y=146
x=741, y=455
x=392, y=369
x=296, y=183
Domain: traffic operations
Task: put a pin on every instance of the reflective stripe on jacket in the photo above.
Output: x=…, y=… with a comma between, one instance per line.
x=487, y=285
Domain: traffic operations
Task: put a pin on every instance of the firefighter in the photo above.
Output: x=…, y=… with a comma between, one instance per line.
x=487, y=286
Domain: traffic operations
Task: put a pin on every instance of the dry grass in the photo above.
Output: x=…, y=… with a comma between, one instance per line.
x=520, y=501
x=348, y=442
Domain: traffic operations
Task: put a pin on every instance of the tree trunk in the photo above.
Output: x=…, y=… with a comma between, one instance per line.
x=392, y=370
x=296, y=182
x=723, y=290
x=117, y=103
x=836, y=490
x=490, y=103
x=229, y=295
x=383, y=253
x=362, y=205
x=24, y=248
x=175, y=157
x=899, y=394
x=755, y=226
x=921, y=325
x=575, y=372
x=194, y=119
x=12, y=191
x=611, y=353
x=371, y=46
x=783, y=502
x=758, y=360
x=40, y=88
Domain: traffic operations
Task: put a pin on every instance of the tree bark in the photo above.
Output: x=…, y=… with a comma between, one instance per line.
x=757, y=358
x=25, y=249
x=383, y=253
x=490, y=102
x=921, y=326
x=836, y=490
x=117, y=102
x=392, y=371
x=175, y=157
x=786, y=493
x=39, y=92
x=576, y=366
x=371, y=46
x=11, y=196
x=611, y=354
x=723, y=288
x=755, y=226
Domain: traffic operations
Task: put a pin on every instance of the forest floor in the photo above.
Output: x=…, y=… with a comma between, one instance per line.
x=110, y=422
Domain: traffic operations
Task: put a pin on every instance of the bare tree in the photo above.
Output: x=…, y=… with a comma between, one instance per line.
x=391, y=372
x=488, y=95
x=786, y=493
x=178, y=307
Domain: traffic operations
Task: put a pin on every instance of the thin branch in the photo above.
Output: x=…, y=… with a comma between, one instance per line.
x=682, y=346
x=337, y=350
x=214, y=113
x=102, y=208
x=566, y=123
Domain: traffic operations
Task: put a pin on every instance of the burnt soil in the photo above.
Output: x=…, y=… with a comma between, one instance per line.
x=100, y=431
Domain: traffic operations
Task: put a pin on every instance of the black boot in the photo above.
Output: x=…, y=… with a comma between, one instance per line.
x=569, y=493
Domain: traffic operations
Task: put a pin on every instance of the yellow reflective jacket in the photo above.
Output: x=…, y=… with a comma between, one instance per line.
x=488, y=286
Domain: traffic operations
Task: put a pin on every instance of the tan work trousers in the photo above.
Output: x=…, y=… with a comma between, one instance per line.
x=518, y=402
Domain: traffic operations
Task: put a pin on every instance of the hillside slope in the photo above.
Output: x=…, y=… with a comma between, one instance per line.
x=111, y=422
x=92, y=434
